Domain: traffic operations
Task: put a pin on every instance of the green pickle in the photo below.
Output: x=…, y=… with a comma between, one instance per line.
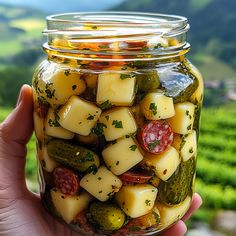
x=111, y=107
x=148, y=81
x=179, y=185
x=74, y=156
x=106, y=216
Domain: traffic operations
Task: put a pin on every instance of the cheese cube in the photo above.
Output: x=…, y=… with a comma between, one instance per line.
x=118, y=122
x=156, y=106
x=38, y=126
x=116, y=88
x=164, y=164
x=171, y=214
x=101, y=185
x=186, y=145
x=197, y=96
x=68, y=206
x=53, y=128
x=79, y=116
x=122, y=155
x=47, y=162
x=182, y=122
x=58, y=86
x=136, y=200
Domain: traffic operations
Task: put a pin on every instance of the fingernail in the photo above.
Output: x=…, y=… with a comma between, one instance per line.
x=19, y=97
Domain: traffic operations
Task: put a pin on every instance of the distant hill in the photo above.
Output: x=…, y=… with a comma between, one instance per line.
x=53, y=6
x=212, y=22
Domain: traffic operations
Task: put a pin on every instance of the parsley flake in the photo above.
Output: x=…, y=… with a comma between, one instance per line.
x=117, y=124
x=106, y=105
x=152, y=145
x=133, y=147
x=153, y=108
x=148, y=202
x=90, y=117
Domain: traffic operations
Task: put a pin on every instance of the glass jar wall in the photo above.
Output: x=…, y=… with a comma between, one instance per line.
x=116, y=111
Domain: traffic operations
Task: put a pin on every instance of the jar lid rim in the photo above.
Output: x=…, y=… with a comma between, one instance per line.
x=145, y=18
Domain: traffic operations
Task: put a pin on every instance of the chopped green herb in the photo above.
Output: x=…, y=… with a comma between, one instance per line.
x=189, y=127
x=99, y=178
x=92, y=169
x=113, y=142
x=134, y=228
x=104, y=46
x=88, y=157
x=156, y=216
x=100, y=191
x=117, y=163
x=182, y=144
x=99, y=129
x=107, y=117
x=74, y=87
x=67, y=72
x=158, y=46
x=90, y=117
x=153, y=108
x=187, y=112
x=145, y=48
x=54, y=123
x=127, y=136
x=126, y=76
x=152, y=145
x=148, y=202
x=106, y=105
x=133, y=147
x=117, y=124
x=49, y=93
x=191, y=150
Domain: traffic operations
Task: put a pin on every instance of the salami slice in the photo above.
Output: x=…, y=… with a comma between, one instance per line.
x=156, y=136
x=66, y=180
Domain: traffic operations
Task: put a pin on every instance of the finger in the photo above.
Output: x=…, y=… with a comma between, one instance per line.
x=18, y=126
x=179, y=229
x=15, y=132
x=196, y=203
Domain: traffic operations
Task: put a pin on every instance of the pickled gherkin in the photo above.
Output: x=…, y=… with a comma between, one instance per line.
x=178, y=83
x=148, y=81
x=179, y=185
x=106, y=216
x=74, y=156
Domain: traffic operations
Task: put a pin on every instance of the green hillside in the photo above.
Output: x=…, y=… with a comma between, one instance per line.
x=20, y=29
x=211, y=32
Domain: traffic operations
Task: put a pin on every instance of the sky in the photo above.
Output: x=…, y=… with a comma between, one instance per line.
x=55, y=6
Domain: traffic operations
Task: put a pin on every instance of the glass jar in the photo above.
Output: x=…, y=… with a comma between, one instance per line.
x=116, y=111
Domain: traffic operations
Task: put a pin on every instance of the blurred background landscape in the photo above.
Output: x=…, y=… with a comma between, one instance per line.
x=213, y=37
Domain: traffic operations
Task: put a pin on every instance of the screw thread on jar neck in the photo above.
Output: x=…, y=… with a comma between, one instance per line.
x=116, y=36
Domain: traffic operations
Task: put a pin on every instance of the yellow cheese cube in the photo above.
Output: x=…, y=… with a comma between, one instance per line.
x=171, y=214
x=38, y=126
x=136, y=200
x=186, y=145
x=101, y=185
x=116, y=88
x=156, y=106
x=164, y=164
x=47, y=162
x=182, y=122
x=53, y=128
x=58, y=87
x=69, y=206
x=122, y=155
x=118, y=123
x=197, y=96
x=79, y=116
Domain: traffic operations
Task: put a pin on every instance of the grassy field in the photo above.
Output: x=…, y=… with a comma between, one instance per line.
x=216, y=168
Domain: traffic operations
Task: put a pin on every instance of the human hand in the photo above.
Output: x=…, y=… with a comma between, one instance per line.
x=21, y=212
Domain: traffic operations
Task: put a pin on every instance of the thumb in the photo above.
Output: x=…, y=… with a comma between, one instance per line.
x=18, y=125
x=15, y=132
